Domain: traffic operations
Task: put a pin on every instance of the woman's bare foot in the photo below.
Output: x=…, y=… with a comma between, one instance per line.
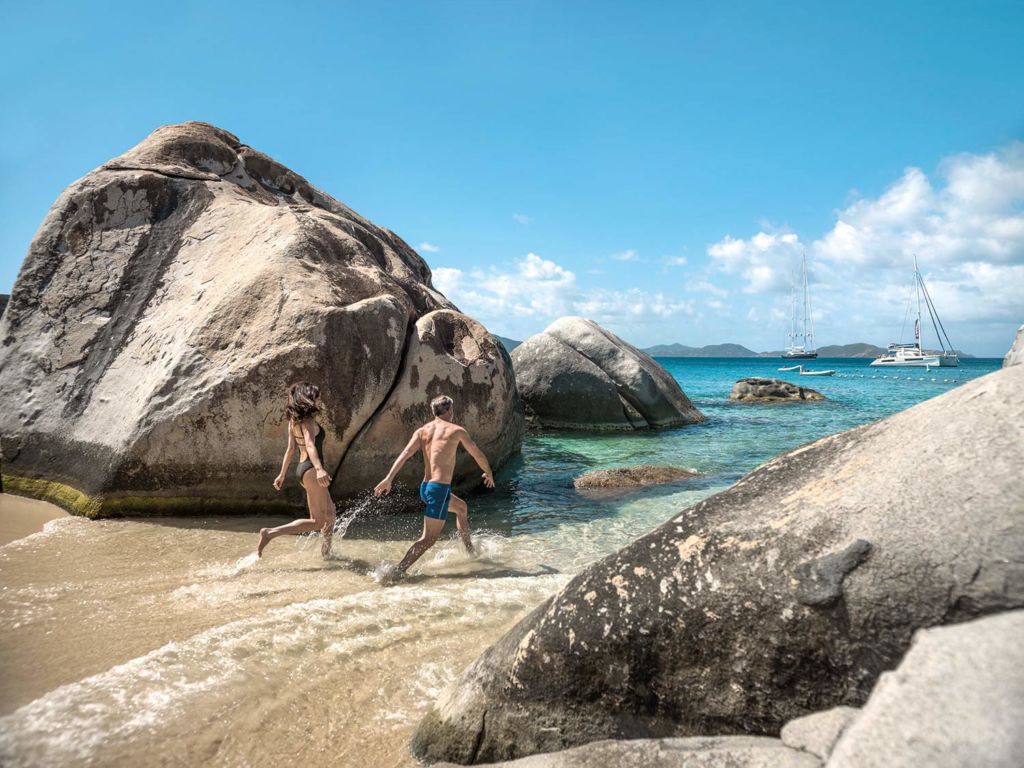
x=264, y=540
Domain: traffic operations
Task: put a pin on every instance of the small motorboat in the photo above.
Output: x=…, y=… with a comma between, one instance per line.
x=817, y=373
x=792, y=368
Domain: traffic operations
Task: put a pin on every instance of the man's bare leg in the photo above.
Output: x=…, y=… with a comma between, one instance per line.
x=461, y=510
x=431, y=530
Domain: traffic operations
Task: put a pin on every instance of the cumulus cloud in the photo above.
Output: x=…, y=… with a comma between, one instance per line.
x=521, y=218
x=674, y=261
x=764, y=261
x=429, y=247
x=534, y=291
x=965, y=224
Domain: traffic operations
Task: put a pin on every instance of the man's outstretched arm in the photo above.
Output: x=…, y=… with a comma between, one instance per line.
x=478, y=456
x=383, y=488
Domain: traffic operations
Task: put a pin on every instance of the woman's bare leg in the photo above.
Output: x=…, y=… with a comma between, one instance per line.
x=317, y=520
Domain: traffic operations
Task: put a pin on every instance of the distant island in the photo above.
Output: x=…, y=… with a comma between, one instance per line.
x=857, y=350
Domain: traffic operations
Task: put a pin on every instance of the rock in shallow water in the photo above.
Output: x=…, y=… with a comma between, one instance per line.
x=753, y=389
x=788, y=593
x=577, y=375
x=631, y=477
x=169, y=298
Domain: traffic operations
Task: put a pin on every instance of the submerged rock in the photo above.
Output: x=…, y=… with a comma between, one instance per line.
x=171, y=296
x=631, y=477
x=790, y=592
x=1016, y=354
x=771, y=389
x=577, y=375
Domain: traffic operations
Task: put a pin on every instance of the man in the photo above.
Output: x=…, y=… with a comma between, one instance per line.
x=439, y=440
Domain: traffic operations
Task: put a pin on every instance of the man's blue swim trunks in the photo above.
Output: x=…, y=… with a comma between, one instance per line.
x=436, y=496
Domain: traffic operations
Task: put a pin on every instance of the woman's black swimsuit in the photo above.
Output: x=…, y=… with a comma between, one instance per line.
x=305, y=466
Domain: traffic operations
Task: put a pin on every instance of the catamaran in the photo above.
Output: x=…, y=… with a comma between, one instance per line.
x=900, y=355
x=806, y=350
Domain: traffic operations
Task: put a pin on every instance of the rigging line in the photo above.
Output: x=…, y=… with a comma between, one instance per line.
x=935, y=312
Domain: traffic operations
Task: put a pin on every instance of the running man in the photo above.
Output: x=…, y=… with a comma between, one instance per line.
x=439, y=440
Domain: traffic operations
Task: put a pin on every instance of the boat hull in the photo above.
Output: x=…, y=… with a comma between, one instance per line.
x=799, y=355
x=924, y=362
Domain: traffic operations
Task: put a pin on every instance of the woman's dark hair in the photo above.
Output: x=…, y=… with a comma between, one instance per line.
x=302, y=399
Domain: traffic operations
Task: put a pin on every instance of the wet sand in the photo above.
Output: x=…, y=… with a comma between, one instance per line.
x=165, y=642
x=20, y=517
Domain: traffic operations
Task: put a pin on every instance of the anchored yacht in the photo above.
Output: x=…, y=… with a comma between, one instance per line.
x=913, y=355
x=805, y=332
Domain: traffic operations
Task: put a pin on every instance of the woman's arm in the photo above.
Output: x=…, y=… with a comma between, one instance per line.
x=289, y=451
x=383, y=488
x=322, y=478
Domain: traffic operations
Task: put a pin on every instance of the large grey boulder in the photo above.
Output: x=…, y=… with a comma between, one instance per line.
x=578, y=375
x=1016, y=354
x=957, y=699
x=167, y=301
x=788, y=593
x=759, y=389
x=4, y=298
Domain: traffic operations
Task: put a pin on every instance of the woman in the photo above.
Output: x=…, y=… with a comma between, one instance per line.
x=309, y=436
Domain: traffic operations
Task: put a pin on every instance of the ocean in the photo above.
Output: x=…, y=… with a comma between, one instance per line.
x=165, y=642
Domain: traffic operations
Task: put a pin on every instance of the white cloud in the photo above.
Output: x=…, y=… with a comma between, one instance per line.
x=965, y=224
x=429, y=247
x=627, y=255
x=524, y=299
x=521, y=218
x=674, y=261
x=765, y=261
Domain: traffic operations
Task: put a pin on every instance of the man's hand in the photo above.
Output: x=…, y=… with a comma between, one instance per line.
x=278, y=482
x=488, y=479
x=383, y=488
x=322, y=478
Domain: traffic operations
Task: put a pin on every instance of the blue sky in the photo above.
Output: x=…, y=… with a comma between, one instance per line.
x=657, y=166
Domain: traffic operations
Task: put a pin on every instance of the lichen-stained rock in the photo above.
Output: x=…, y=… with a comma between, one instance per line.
x=167, y=301
x=763, y=389
x=631, y=477
x=956, y=699
x=449, y=354
x=578, y=375
x=790, y=592
x=1016, y=354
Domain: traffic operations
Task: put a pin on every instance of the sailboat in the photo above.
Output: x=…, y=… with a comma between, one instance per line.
x=913, y=355
x=806, y=350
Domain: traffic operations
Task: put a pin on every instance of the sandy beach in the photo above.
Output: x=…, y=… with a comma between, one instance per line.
x=20, y=517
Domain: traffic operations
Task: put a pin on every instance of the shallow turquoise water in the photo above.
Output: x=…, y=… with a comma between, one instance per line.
x=538, y=514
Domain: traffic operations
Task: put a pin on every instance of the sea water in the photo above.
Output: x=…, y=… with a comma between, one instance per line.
x=166, y=642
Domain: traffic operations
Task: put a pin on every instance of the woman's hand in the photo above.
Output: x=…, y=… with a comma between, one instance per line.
x=278, y=482
x=322, y=478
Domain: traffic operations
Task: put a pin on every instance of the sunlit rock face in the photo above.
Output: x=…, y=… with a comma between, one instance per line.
x=790, y=592
x=171, y=296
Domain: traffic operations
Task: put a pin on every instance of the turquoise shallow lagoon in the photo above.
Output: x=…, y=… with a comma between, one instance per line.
x=536, y=506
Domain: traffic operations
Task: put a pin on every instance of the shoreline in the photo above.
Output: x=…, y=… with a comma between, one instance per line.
x=21, y=516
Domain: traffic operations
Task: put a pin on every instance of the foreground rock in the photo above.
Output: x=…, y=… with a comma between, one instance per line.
x=577, y=375
x=631, y=477
x=788, y=593
x=760, y=389
x=4, y=298
x=956, y=699
x=1016, y=354
x=170, y=297
x=696, y=752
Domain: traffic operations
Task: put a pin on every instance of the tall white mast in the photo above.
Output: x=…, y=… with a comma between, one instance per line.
x=808, y=322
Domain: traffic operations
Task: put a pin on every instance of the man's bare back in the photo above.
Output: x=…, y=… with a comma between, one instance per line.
x=439, y=442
